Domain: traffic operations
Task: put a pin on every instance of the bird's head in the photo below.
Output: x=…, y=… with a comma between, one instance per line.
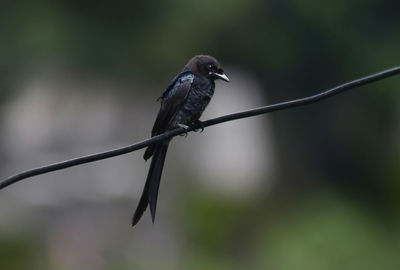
x=207, y=66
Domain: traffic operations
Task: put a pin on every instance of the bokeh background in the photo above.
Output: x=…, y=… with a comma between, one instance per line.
x=316, y=187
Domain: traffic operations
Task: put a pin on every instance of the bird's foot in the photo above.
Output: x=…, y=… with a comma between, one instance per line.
x=185, y=127
x=198, y=126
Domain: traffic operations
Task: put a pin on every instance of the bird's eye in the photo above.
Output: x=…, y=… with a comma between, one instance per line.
x=212, y=67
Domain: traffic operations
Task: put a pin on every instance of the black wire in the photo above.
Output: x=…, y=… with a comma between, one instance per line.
x=229, y=117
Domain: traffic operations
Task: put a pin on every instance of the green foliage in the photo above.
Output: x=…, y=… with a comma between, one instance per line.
x=18, y=252
x=330, y=232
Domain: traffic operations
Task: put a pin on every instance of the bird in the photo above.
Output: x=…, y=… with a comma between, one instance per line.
x=182, y=104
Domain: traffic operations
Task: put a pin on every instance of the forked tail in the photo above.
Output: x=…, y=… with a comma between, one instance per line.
x=150, y=191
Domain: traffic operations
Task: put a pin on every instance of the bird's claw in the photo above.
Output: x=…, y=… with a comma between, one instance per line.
x=198, y=126
x=185, y=127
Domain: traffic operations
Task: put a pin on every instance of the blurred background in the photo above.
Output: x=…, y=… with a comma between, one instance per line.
x=316, y=187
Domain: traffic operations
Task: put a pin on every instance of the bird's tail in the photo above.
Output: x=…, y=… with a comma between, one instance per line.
x=150, y=191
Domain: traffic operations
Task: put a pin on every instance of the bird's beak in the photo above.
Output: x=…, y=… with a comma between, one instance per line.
x=222, y=76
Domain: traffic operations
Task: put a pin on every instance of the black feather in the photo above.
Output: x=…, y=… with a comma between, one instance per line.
x=171, y=102
x=150, y=191
x=155, y=177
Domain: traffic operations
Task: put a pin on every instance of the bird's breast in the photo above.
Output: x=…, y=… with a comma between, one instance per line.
x=194, y=105
x=198, y=99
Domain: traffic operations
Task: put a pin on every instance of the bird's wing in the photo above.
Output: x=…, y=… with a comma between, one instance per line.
x=173, y=82
x=171, y=100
